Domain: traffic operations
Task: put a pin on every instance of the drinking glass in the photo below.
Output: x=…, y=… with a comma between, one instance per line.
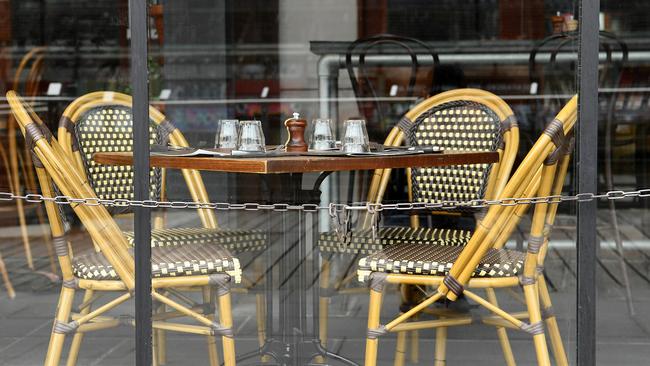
x=251, y=136
x=227, y=134
x=355, y=139
x=322, y=137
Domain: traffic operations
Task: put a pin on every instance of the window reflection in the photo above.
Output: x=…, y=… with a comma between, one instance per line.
x=376, y=60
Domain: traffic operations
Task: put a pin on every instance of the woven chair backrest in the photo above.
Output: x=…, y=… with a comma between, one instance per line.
x=109, y=128
x=458, y=125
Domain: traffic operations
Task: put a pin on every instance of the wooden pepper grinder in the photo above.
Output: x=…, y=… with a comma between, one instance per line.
x=296, y=129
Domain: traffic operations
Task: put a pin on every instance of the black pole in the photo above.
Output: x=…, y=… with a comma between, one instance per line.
x=142, y=221
x=587, y=153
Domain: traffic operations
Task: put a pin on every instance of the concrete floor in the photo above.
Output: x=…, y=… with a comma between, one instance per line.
x=623, y=339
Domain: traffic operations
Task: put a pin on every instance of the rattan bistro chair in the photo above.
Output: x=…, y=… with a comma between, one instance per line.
x=209, y=267
x=483, y=262
x=469, y=119
x=102, y=122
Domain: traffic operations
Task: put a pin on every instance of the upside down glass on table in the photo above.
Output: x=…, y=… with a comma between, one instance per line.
x=251, y=136
x=227, y=134
x=355, y=139
x=321, y=137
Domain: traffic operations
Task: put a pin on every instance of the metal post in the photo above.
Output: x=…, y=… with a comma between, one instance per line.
x=142, y=221
x=587, y=154
x=328, y=75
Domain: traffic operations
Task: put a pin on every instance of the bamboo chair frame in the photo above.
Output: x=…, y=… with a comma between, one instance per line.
x=537, y=174
x=499, y=175
x=192, y=178
x=54, y=166
x=19, y=162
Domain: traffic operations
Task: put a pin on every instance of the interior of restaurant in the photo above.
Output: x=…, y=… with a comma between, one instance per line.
x=299, y=284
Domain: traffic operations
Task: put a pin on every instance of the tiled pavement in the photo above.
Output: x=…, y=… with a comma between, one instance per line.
x=622, y=340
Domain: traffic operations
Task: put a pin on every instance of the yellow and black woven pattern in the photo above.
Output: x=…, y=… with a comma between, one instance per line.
x=236, y=241
x=361, y=242
x=437, y=260
x=183, y=260
x=458, y=125
x=110, y=129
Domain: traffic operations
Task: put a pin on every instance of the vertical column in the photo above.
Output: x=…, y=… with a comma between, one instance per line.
x=587, y=156
x=142, y=222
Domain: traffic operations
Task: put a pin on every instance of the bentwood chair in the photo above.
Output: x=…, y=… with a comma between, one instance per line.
x=209, y=267
x=102, y=122
x=27, y=78
x=463, y=119
x=369, y=96
x=483, y=262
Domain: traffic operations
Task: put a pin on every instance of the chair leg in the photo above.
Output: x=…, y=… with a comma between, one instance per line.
x=551, y=324
x=400, y=349
x=502, y=332
x=415, y=344
x=323, y=307
x=440, y=358
x=211, y=340
x=260, y=310
x=154, y=350
x=161, y=340
x=24, y=233
x=409, y=297
x=46, y=237
x=374, y=310
x=73, y=355
x=57, y=338
x=621, y=257
x=225, y=320
x=532, y=303
x=5, y=278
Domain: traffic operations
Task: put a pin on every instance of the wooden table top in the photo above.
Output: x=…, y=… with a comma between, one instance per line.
x=303, y=164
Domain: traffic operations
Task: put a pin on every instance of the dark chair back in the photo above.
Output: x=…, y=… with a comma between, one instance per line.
x=369, y=97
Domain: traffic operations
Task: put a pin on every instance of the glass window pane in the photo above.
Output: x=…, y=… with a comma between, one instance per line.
x=265, y=61
x=623, y=99
x=53, y=54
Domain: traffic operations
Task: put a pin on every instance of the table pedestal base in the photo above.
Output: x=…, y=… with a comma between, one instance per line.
x=281, y=353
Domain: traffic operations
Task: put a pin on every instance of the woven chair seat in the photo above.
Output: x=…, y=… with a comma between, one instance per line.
x=182, y=260
x=436, y=260
x=236, y=241
x=361, y=241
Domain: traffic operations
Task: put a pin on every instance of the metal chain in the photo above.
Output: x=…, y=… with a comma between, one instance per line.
x=340, y=213
x=334, y=209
